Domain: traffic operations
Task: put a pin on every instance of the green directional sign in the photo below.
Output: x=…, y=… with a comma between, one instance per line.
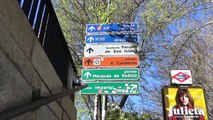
x=110, y=74
x=109, y=88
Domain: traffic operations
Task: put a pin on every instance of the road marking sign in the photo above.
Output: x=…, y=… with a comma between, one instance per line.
x=110, y=61
x=110, y=74
x=111, y=38
x=108, y=88
x=122, y=27
x=181, y=77
x=94, y=50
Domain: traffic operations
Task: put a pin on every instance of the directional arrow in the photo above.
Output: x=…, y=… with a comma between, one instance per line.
x=88, y=61
x=87, y=74
x=90, y=39
x=90, y=50
x=133, y=86
x=91, y=28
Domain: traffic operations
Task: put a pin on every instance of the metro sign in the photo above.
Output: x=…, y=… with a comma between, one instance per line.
x=110, y=61
x=181, y=77
x=122, y=27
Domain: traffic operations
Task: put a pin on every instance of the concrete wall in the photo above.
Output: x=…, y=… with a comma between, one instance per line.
x=24, y=67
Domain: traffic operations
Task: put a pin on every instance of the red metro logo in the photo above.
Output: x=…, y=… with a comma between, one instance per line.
x=181, y=77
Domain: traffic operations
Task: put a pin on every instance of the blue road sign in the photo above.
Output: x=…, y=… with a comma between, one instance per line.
x=111, y=38
x=122, y=27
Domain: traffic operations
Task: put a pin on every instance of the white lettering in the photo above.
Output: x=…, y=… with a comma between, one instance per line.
x=101, y=76
x=185, y=111
x=176, y=111
x=191, y=111
x=201, y=112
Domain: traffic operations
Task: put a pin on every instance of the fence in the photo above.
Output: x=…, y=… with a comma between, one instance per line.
x=44, y=22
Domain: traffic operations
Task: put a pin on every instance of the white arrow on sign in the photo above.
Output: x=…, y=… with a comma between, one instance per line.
x=134, y=86
x=90, y=39
x=87, y=74
x=126, y=49
x=91, y=28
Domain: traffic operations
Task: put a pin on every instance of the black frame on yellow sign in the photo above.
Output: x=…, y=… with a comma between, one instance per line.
x=174, y=110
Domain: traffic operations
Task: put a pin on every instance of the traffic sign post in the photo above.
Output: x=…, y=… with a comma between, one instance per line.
x=109, y=88
x=111, y=61
x=123, y=27
x=116, y=47
x=110, y=74
x=97, y=50
x=111, y=38
x=120, y=53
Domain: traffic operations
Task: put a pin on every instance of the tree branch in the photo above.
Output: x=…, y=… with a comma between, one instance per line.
x=204, y=25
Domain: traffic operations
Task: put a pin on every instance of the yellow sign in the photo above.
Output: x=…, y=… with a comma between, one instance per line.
x=184, y=103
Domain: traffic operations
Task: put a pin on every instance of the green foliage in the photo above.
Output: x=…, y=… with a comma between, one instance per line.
x=75, y=14
x=157, y=14
x=102, y=12
x=121, y=115
x=83, y=110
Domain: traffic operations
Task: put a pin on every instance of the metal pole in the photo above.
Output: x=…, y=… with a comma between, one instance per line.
x=104, y=104
x=96, y=107
x=104, y=107
x=99, y=107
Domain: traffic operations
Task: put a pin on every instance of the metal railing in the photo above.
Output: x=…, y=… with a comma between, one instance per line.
x=44, y=22
x=11, y=113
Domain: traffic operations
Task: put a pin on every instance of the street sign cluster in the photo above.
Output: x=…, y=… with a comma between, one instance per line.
x=111, y=61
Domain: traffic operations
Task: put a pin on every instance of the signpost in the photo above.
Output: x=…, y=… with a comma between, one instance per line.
x=120, y=52
x=110, y=61
x=110, y=74
x=95, y=50
x=111, y=38
x=117, y=88
x=123, y=27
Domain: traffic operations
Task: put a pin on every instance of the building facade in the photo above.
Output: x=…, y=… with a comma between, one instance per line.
x=34, y=63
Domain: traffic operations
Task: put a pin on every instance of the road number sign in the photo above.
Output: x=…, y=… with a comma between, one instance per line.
x=111, y=38
x=118, y=88
x=110, y=61
x=110, y=74
x=95, y=50
x=123, y=27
